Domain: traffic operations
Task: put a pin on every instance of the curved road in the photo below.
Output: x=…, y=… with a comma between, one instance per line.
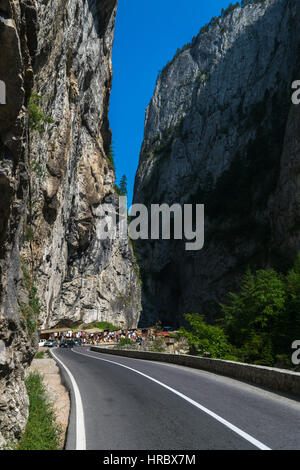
x=131, y=404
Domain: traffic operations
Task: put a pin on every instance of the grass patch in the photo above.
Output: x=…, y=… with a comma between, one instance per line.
x=40, y=355
x=104, y=325
x=42, y=432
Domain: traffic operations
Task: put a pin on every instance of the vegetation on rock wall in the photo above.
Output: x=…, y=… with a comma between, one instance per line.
x=37, y=119
x=30, y=311
x=110, y=157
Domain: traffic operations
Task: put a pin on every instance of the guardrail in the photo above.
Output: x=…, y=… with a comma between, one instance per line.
x=279, y=380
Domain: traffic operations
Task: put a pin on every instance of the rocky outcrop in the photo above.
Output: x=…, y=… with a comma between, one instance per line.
x=80, y=278
x=56, y=175
x=17, y=342
x=221, y=130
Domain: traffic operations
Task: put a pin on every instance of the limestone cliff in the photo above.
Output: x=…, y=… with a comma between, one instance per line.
x=221, y=130
x=79, y=277
x=17, y=341
x=55, y=176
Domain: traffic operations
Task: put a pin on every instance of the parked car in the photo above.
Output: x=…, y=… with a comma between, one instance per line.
x=42, y=343
x=51, y=343
x=67, y=344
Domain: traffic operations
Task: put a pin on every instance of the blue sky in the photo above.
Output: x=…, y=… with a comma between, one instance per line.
x=147, y=35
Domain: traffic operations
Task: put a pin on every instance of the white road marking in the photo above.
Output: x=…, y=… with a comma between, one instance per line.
x=80, y=426
x=218, y=418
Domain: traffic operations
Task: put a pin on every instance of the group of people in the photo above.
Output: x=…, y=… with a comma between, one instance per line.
x=104, y=337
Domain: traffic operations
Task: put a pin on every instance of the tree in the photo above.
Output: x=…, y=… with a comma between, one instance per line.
x=252, y=317
x=259, y=323
x=123, y=185
x=206, y=339
x=289, y=327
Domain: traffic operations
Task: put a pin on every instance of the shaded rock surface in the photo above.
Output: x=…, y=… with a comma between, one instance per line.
x=221, y=130
x=17, y=342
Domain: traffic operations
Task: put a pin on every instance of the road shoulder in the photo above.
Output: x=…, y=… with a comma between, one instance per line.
x=56, y=391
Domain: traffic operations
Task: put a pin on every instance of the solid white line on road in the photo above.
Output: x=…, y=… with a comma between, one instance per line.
x=221, y=420
x=80, y=427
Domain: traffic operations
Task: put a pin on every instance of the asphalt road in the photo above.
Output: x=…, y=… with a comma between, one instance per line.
x=130, y=404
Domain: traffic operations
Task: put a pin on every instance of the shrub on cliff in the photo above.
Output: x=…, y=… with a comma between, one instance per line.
x=36, y=116
x=110, y=157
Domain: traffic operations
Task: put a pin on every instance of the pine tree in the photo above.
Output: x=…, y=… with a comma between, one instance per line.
x=123, y=186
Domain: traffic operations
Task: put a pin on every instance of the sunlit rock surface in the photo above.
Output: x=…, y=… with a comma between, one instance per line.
x=53, y=185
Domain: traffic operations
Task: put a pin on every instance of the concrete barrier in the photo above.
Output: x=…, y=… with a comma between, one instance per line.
x=278, y=380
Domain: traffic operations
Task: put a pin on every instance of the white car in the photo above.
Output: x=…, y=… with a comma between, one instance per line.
x=42, y=342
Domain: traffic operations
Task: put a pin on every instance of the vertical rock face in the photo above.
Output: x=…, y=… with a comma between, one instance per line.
x=221, y=130
x=284, y=204
x=55, y=177
x=80, y=278
x=17, y=343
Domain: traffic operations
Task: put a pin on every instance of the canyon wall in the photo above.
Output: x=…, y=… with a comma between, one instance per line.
x=221, y=130
x=80, y=278
x=17, y=340
x=56, y=175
